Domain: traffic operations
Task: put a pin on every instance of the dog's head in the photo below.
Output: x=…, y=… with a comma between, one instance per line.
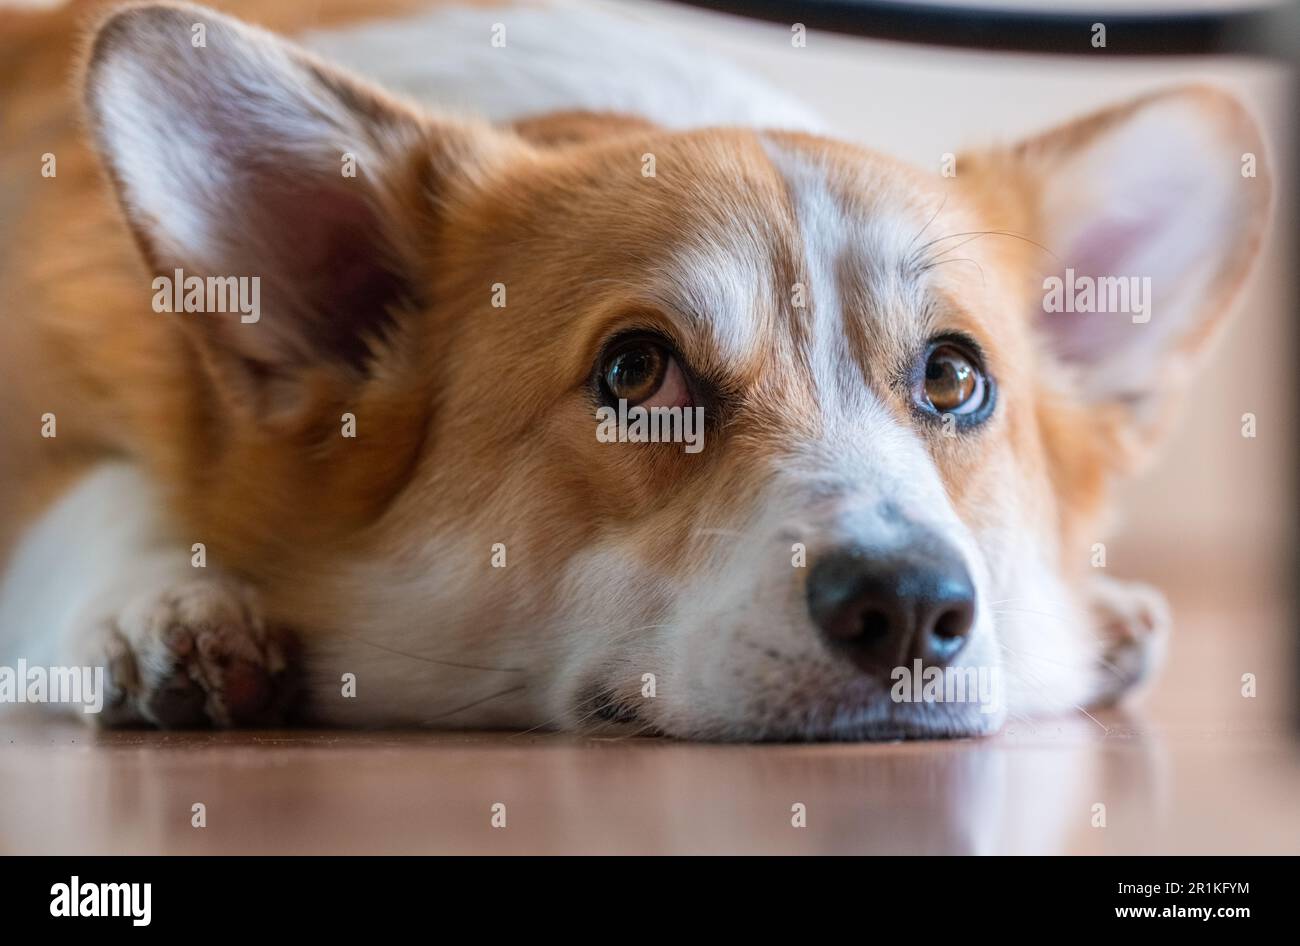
x=911, y=411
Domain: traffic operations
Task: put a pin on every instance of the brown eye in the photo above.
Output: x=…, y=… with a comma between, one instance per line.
x=954, y=383
x=635, y=370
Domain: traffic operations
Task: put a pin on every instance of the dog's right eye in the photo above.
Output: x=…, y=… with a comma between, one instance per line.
x=951, y=382
x=643, y=371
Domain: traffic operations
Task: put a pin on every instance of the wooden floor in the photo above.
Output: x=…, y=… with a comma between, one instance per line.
x=1195, y=767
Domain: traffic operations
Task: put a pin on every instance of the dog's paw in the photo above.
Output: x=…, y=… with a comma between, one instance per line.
x=1134, y=622
x=194, y=655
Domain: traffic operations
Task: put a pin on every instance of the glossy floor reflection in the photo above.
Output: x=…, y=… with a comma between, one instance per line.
x=1195, y=768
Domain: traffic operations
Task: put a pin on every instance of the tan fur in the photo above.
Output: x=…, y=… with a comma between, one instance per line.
x=462, y=390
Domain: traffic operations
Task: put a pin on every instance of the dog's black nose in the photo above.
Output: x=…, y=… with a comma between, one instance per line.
x=884, y=609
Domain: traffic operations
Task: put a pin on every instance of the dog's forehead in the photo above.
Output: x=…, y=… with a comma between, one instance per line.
x=816, y=256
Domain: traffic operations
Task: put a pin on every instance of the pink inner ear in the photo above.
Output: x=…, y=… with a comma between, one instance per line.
x=1155, y=204
x=318, y=246
x=1101, y=250
x=230, y=163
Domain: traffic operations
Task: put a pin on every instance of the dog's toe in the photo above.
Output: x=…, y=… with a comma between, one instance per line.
x=197, y=654
x=1134, y=622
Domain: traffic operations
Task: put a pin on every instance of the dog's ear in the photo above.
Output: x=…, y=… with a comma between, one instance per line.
x=234, y=154
x=1167, y=197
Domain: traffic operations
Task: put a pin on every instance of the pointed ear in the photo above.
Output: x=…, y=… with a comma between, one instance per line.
x=234, y=154
x=1158, y=208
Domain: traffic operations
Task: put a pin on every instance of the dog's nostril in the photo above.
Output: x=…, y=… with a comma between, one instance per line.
x=884, y=608
x=953, y=623
x=948, y=635
x=874, y=626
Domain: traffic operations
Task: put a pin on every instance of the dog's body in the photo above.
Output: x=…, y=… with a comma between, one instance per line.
x=474, y=556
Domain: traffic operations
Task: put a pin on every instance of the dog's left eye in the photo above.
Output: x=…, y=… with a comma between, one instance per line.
x=644, y=371
x=953, y=381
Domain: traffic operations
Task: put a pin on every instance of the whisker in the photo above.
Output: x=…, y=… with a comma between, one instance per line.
x=1103, y=663
x=1023, y=599
x=1044, y=688
x=612, y=640
x=1104, y=727
x=477, y=702
x=623, y=635
x=1069, y=618
x=430, y=660
x=982, y=233
x=959, y=259
x=920, y=233
x=730, y=533
x=969, y=239
x=580, y=721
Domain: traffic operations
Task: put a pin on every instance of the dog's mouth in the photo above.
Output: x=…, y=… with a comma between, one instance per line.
x=602, y=705
x=603, y=708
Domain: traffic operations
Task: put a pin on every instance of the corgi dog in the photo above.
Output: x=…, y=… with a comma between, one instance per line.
x=305, y=360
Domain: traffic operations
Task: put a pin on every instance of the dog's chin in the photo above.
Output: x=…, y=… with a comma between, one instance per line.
x=913, y=721
x=875, y=721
